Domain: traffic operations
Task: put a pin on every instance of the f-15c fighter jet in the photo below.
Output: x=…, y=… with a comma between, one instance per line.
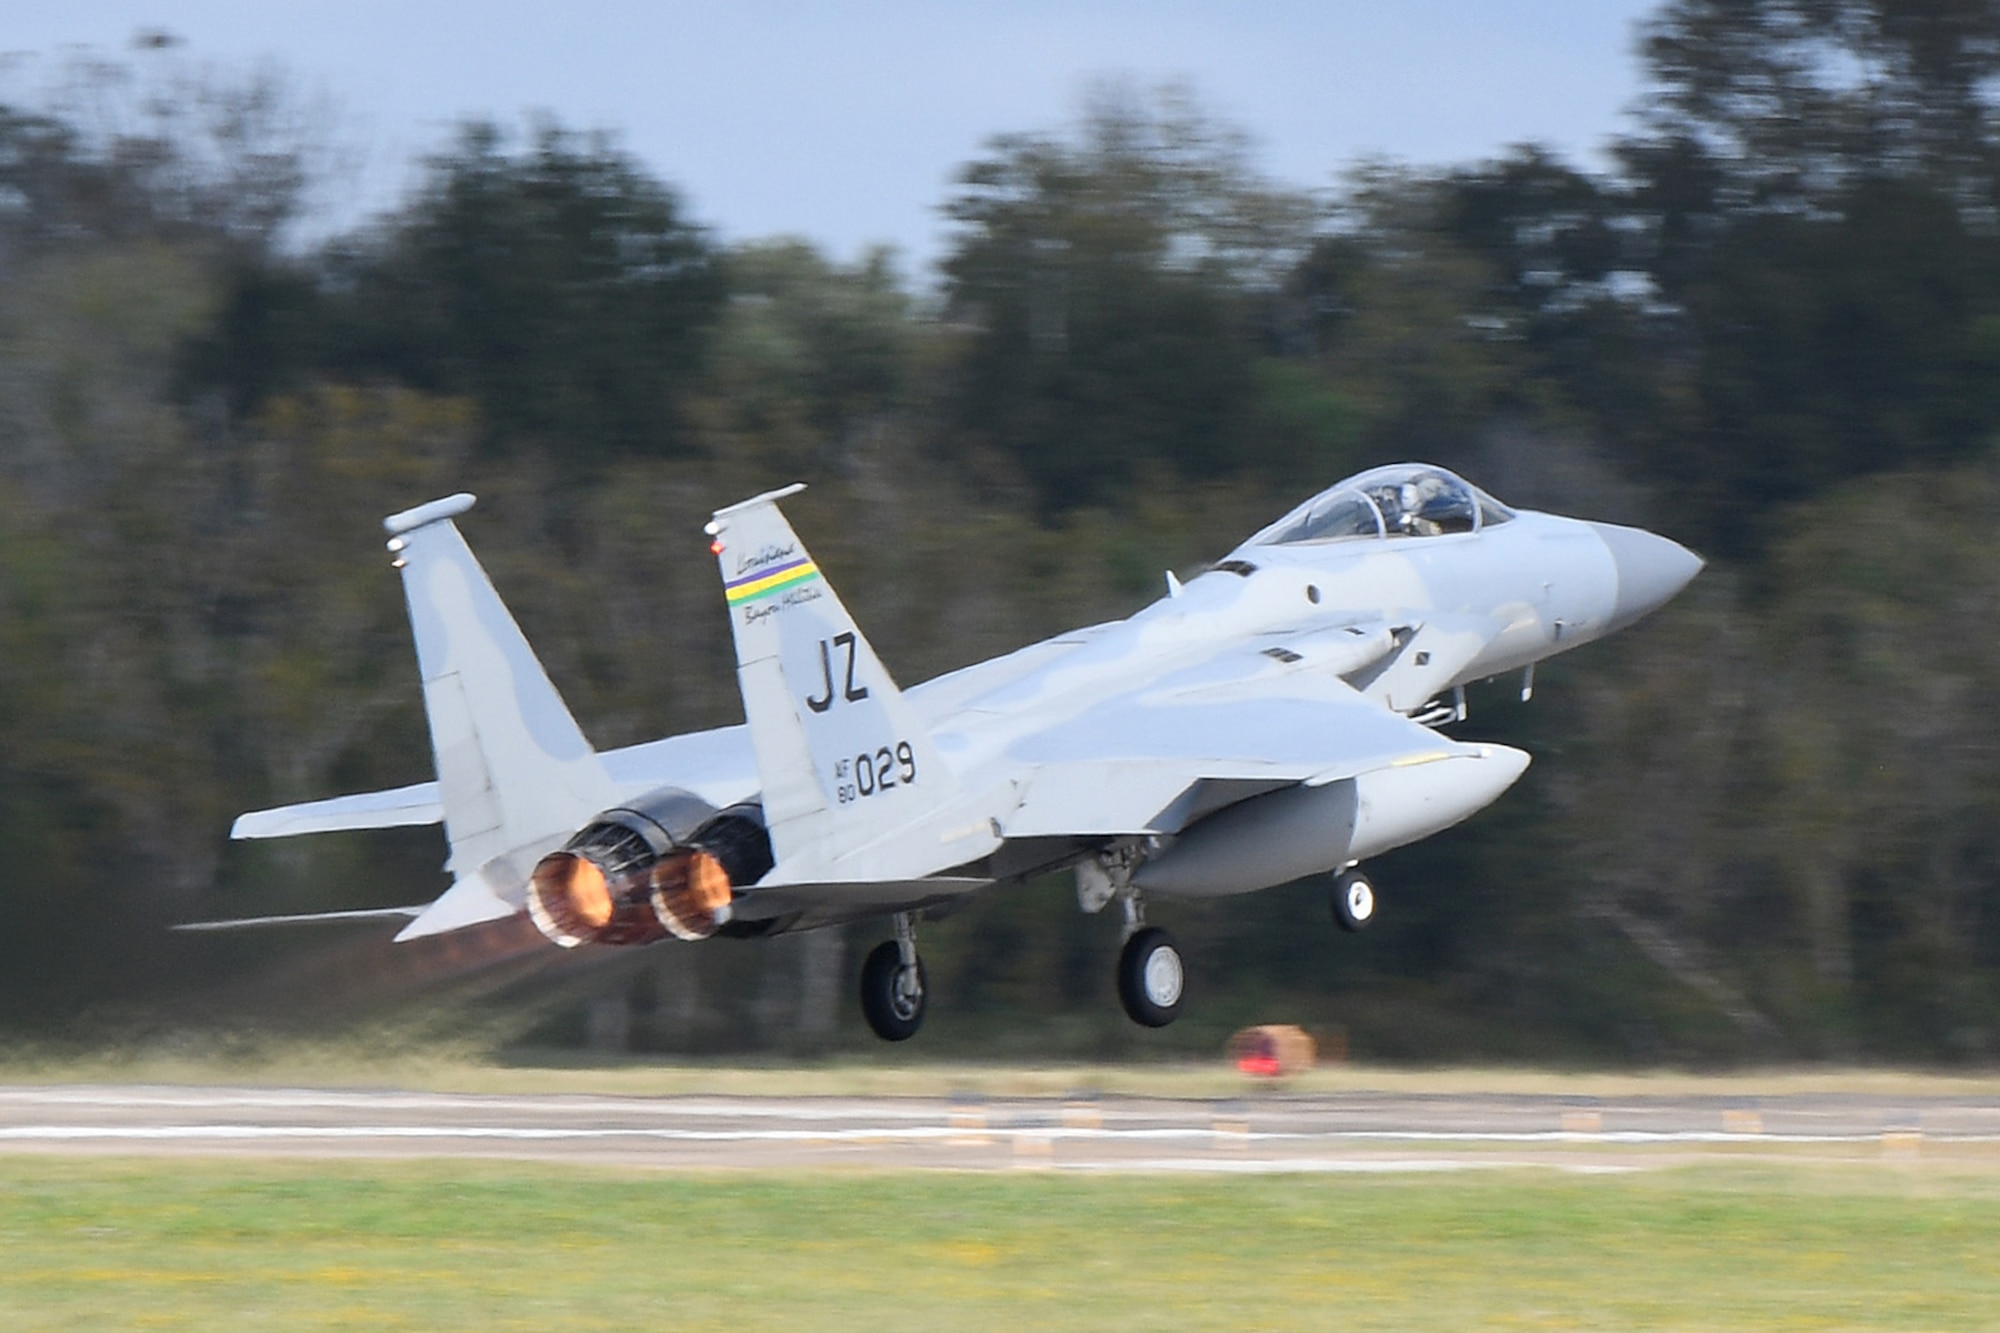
x=1270, y=719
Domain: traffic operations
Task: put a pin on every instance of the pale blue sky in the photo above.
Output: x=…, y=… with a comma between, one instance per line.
x=844, y=122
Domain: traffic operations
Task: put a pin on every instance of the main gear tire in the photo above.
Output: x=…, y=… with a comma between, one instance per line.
x=892, y=997
x=1152, y=979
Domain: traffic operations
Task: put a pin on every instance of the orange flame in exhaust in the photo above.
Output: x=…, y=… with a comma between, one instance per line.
x=691, y=894
x=569, y=898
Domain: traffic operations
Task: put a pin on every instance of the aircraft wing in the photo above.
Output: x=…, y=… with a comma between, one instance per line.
x=1157, y=758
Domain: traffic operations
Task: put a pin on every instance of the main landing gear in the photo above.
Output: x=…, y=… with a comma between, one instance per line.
x=892, y=984
x=1151, y=976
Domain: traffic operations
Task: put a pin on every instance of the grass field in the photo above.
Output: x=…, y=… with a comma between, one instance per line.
x=213, y=1244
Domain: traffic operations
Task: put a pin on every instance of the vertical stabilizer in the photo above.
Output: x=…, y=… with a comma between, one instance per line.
x=842, y=757
x=514, y=772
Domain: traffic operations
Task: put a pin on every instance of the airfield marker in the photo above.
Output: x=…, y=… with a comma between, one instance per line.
x=1231, y=1126
x=968, y=1122
x=1902, y=1141
x=1034, y=1148
x=1742, y=1122
x=1082, y=1112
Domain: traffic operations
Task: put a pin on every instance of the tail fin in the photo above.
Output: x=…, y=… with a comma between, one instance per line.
x=841, y=755
x=513, y=769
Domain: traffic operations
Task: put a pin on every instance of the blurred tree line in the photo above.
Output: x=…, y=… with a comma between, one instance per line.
x=1762, y=825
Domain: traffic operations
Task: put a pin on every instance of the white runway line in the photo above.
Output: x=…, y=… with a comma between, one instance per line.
x=185, y=1133
x=262, y=1099
x=1625, y=1136
x=1340, y=1166
x=1337, y=1135
x=912, y=1133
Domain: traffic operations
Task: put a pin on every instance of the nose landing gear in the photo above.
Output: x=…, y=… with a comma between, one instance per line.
x=1353, y=900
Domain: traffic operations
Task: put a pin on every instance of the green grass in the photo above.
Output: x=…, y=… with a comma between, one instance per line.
x=218, y=1244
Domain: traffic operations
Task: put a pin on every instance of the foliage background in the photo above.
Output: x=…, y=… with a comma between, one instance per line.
x=1762, y=825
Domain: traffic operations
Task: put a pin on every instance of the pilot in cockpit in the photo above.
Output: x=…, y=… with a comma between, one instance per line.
x=1424, y=504
x=1404, y=500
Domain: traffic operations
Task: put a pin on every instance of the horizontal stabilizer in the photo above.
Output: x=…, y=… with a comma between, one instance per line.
x=304, y=919
x=466, y=903
x=402, y=808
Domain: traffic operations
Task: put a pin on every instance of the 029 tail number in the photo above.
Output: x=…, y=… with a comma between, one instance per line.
x=870, y=774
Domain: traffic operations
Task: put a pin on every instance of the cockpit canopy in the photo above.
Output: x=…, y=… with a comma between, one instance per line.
x=1403, y=500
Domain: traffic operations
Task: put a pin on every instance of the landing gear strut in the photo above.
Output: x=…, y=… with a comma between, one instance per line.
x=1151, y=977
x=892, y=984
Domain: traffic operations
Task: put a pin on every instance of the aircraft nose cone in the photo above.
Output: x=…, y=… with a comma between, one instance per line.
x=1651, y=569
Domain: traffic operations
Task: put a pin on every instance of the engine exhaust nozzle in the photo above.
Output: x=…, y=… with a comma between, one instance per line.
x=690, y=893
x=572, y=901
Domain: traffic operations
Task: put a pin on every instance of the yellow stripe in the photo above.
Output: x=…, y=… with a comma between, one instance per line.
x=745, y=591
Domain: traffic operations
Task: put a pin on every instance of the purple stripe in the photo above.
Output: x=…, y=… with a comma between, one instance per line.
x=766, y=572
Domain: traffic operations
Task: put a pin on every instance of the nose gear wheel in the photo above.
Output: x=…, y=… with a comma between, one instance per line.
x=1353, y=901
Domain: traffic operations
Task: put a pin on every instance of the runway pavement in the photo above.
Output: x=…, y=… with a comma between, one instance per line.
x=1361, y=1132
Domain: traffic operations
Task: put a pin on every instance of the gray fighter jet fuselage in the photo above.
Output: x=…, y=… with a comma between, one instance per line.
x=1273, y=718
